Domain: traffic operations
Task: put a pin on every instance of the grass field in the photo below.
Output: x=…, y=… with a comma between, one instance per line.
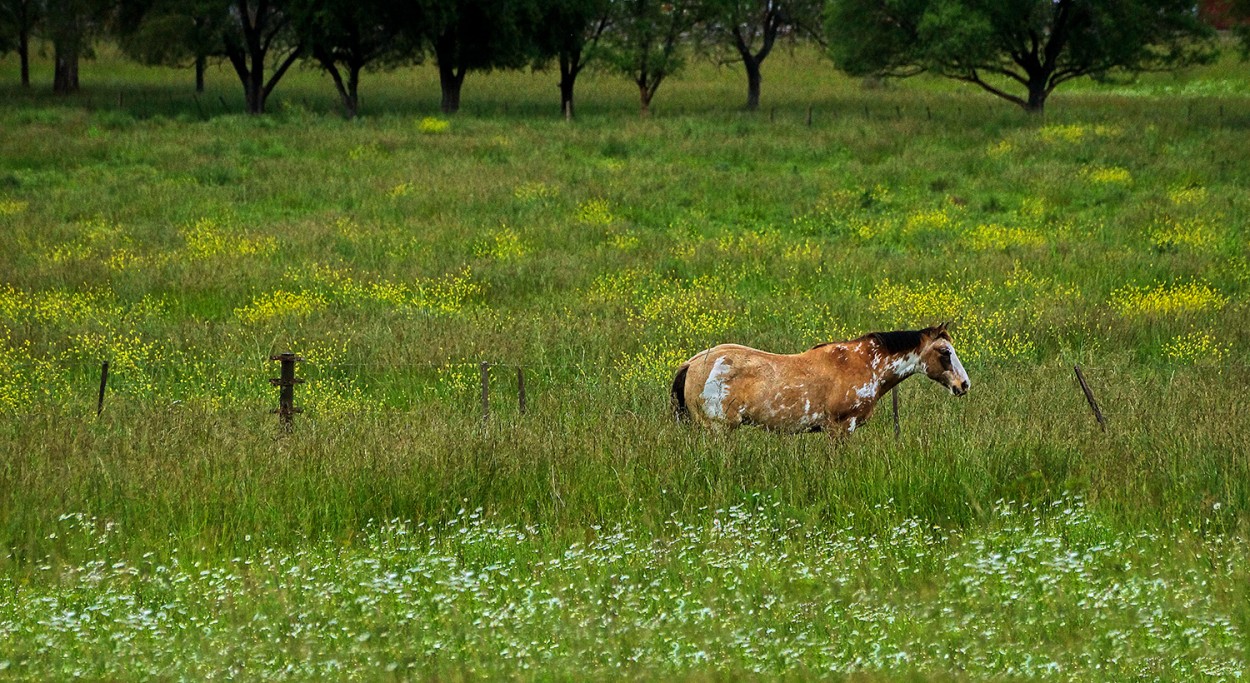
x=391, y=534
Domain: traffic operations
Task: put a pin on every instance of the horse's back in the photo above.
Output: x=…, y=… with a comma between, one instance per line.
x=723, y=382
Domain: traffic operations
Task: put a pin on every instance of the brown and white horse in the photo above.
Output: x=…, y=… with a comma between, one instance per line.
x=831, y=387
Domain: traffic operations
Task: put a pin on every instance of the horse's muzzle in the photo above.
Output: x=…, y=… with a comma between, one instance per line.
x=961, y=388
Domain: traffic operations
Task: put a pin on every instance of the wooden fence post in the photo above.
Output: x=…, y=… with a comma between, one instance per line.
x=894, y=402
x=286, y=388
x=104, y=378
x=1089, y=397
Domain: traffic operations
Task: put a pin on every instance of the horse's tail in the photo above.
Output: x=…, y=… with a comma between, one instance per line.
x=680, y=410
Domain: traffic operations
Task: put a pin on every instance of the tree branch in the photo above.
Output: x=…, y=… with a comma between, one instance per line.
x=972, y=77
x=286, y=64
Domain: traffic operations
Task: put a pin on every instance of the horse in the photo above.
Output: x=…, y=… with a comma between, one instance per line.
x=831, y=387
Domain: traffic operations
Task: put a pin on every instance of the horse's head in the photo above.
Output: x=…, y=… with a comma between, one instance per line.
x=939, y=362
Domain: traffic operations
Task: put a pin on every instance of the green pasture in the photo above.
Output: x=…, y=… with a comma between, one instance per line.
x=184, y=243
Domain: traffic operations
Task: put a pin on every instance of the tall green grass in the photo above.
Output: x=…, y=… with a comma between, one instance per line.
x=185, y=245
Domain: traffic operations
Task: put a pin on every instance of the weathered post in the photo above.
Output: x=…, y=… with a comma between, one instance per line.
x=485, y=371
x=1089, y=397
x=520, y=388
x=104, y=378
x=894, y=402
x=286, y=388
x=809, y=116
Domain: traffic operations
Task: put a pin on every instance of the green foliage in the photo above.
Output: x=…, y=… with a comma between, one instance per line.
x=646, y=42
x=344, y=37
x=1000, y=46
x=474, y=35
x=172, y=32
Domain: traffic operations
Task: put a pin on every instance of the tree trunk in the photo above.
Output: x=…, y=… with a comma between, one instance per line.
x=346, y=89
x=201, y=64
x=753, y=83
x=1036, y=103
x=568, y=77
x=254, y=89
x=65, y=75
x=450, y=79
x=645, y=94
x=566, y=95
x=23, y=52
x=353, y=91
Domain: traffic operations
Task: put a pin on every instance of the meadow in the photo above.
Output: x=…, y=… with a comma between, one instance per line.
x=182, y=534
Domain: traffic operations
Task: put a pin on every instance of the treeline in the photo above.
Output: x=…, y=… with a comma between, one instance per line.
x=1019, y=50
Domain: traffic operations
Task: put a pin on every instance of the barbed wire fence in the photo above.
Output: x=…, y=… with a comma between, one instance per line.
x=287, y=381
x=487, y=395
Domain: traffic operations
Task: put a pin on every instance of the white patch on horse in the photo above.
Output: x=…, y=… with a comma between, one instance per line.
x=904, y=366
x=960, y=373
x=851, y=428
x=715, y=390
x=868, y=389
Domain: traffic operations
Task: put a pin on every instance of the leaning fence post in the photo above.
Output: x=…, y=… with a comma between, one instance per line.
x=894, y=402
x=286, y=388
x=520, y=388
x=485, y=371
x=104, y=378
x=1089, y=396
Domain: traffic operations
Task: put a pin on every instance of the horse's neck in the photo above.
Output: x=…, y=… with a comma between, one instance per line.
x=891, y=368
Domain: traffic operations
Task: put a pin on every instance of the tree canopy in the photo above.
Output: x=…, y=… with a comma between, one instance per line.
x=646, y=42
x=751, y=28
x=570, y=31
x=344, y=37
x=1019, y=50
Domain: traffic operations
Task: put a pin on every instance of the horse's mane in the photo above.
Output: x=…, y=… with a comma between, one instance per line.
x=898, y=341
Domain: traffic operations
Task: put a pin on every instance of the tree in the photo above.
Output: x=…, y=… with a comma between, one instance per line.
x=72, y=26
x=174, y=32
x=473, y=35
x=257, y=29
x=351, y=34
x=752, y=27
x=247, y=33
x=570, y=31
x=18, y=19
x=1037, y=44
x=646, y=42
